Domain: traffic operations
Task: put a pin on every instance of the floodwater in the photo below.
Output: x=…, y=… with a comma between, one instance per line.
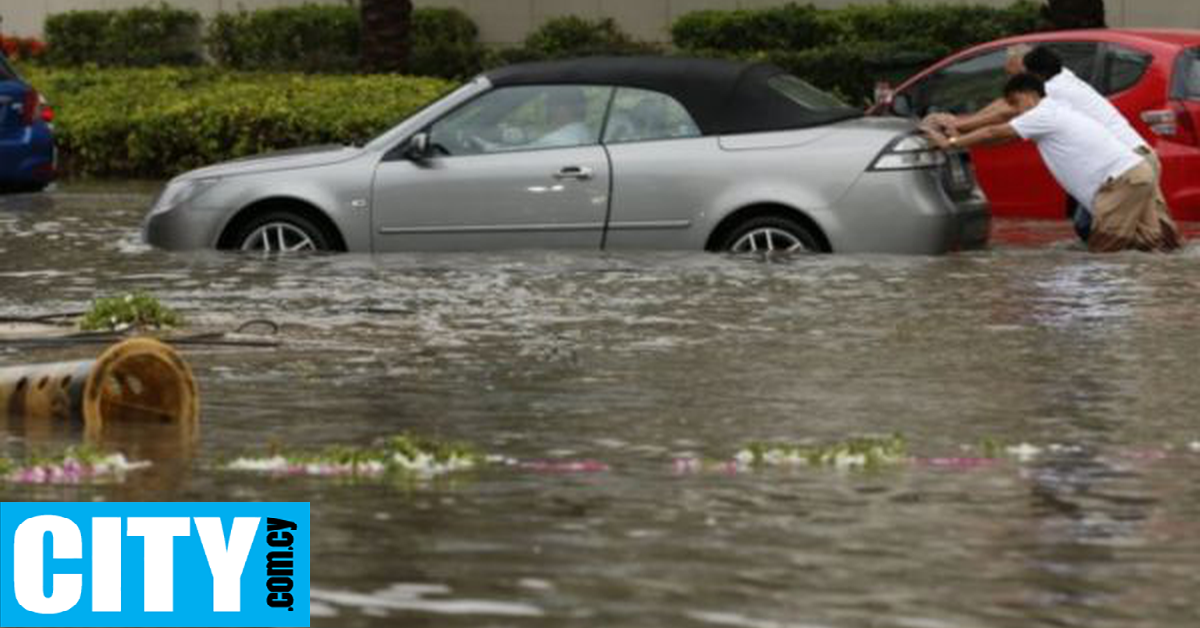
x=637, y=359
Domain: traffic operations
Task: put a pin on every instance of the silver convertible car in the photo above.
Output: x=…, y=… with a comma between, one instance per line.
x=601, y=153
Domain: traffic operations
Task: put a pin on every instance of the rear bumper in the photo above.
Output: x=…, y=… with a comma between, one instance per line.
x=910, y=212
x=27, y=156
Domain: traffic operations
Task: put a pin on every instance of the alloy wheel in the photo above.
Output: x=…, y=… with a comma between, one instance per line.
x=278, y=237
x=768, y=240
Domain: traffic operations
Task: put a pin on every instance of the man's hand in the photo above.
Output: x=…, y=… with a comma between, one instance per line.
x=935, y=136
x=945, y=123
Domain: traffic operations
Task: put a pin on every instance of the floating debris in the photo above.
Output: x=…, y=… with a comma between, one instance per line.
x=856, y=453
x=139, y=381
x=1195, y=446
x=399, y=455
x=1024, y=452
x=403, y=456
x=137, y=310
x=81, y=465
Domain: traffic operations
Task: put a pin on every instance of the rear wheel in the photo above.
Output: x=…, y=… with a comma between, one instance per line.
x=770, y=234
x=282, y=232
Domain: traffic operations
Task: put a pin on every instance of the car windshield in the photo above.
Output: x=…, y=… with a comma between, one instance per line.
x=400, y=129
x=823, y=106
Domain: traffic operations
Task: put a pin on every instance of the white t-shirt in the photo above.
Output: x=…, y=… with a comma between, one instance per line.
x=1069, y=88
x=1080, y=152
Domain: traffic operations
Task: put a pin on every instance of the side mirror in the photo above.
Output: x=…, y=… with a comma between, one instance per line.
x=417, y=148
x=902, y=105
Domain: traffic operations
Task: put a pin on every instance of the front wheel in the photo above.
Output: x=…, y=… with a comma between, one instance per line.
x=769, y=234
x=282, y=232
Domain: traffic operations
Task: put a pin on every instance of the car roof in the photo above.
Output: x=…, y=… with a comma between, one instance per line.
x=1180, y=36
x=1160, y=40
x=1173, y=38
x=722, y=96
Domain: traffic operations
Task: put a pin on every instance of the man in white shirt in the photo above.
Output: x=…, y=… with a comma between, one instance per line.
x=1117, y=186
x=1064, y=85
x=1061, y=84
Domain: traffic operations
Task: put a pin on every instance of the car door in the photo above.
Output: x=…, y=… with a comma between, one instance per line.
x=658, y=160
x=1182, y=138
x=517, y=167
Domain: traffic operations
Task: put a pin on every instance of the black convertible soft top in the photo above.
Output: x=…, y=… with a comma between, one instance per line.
x=723, y=97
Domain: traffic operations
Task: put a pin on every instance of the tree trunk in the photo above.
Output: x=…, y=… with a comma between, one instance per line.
x=385, y=37
x=1076, y=13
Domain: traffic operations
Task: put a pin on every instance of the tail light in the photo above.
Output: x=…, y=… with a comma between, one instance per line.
x=29, y=109
x=35, y=108
x=45, y=111
x=1175, y=123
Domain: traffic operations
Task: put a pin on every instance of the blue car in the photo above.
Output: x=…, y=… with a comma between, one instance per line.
x=26, y=134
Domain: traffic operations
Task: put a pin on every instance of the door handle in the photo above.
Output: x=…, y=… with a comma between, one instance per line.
x=574, y=172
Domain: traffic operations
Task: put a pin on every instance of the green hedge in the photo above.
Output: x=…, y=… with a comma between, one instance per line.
x=847, y=50
x=324, y=38
x=140, y=37
x=445, y=43
x=790, y=26
x=798, y=27
x=159, y=122
x=571, y=36
x=951, y=26
x=308, y=38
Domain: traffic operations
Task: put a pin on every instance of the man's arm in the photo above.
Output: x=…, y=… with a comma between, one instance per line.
x=987, y=136
x=998, y=112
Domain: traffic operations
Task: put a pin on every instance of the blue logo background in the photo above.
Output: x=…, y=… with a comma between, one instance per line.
x=193, y=595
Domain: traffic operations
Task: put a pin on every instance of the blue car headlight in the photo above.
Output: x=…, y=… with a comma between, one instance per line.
x=908, y=152
x=180, y=191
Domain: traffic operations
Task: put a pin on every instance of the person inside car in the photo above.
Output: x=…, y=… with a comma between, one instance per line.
x=567, y=113
x=1120, y=187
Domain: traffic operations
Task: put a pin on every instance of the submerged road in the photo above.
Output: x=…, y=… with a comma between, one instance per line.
x=1085, y=365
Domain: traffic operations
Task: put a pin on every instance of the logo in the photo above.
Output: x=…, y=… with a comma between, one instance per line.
x=154, y=564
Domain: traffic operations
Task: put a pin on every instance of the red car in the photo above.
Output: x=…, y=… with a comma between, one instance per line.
x=1152, y=76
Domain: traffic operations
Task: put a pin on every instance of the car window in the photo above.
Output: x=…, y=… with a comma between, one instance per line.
x=964, y=87
x=1077, y=56
x=1123, y=68
x=804, y=94
x=640, y=115
x=1187, y=75
x=532, y=117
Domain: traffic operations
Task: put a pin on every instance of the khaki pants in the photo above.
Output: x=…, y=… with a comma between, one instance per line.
x=1156, y=164
x=1131, y=214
